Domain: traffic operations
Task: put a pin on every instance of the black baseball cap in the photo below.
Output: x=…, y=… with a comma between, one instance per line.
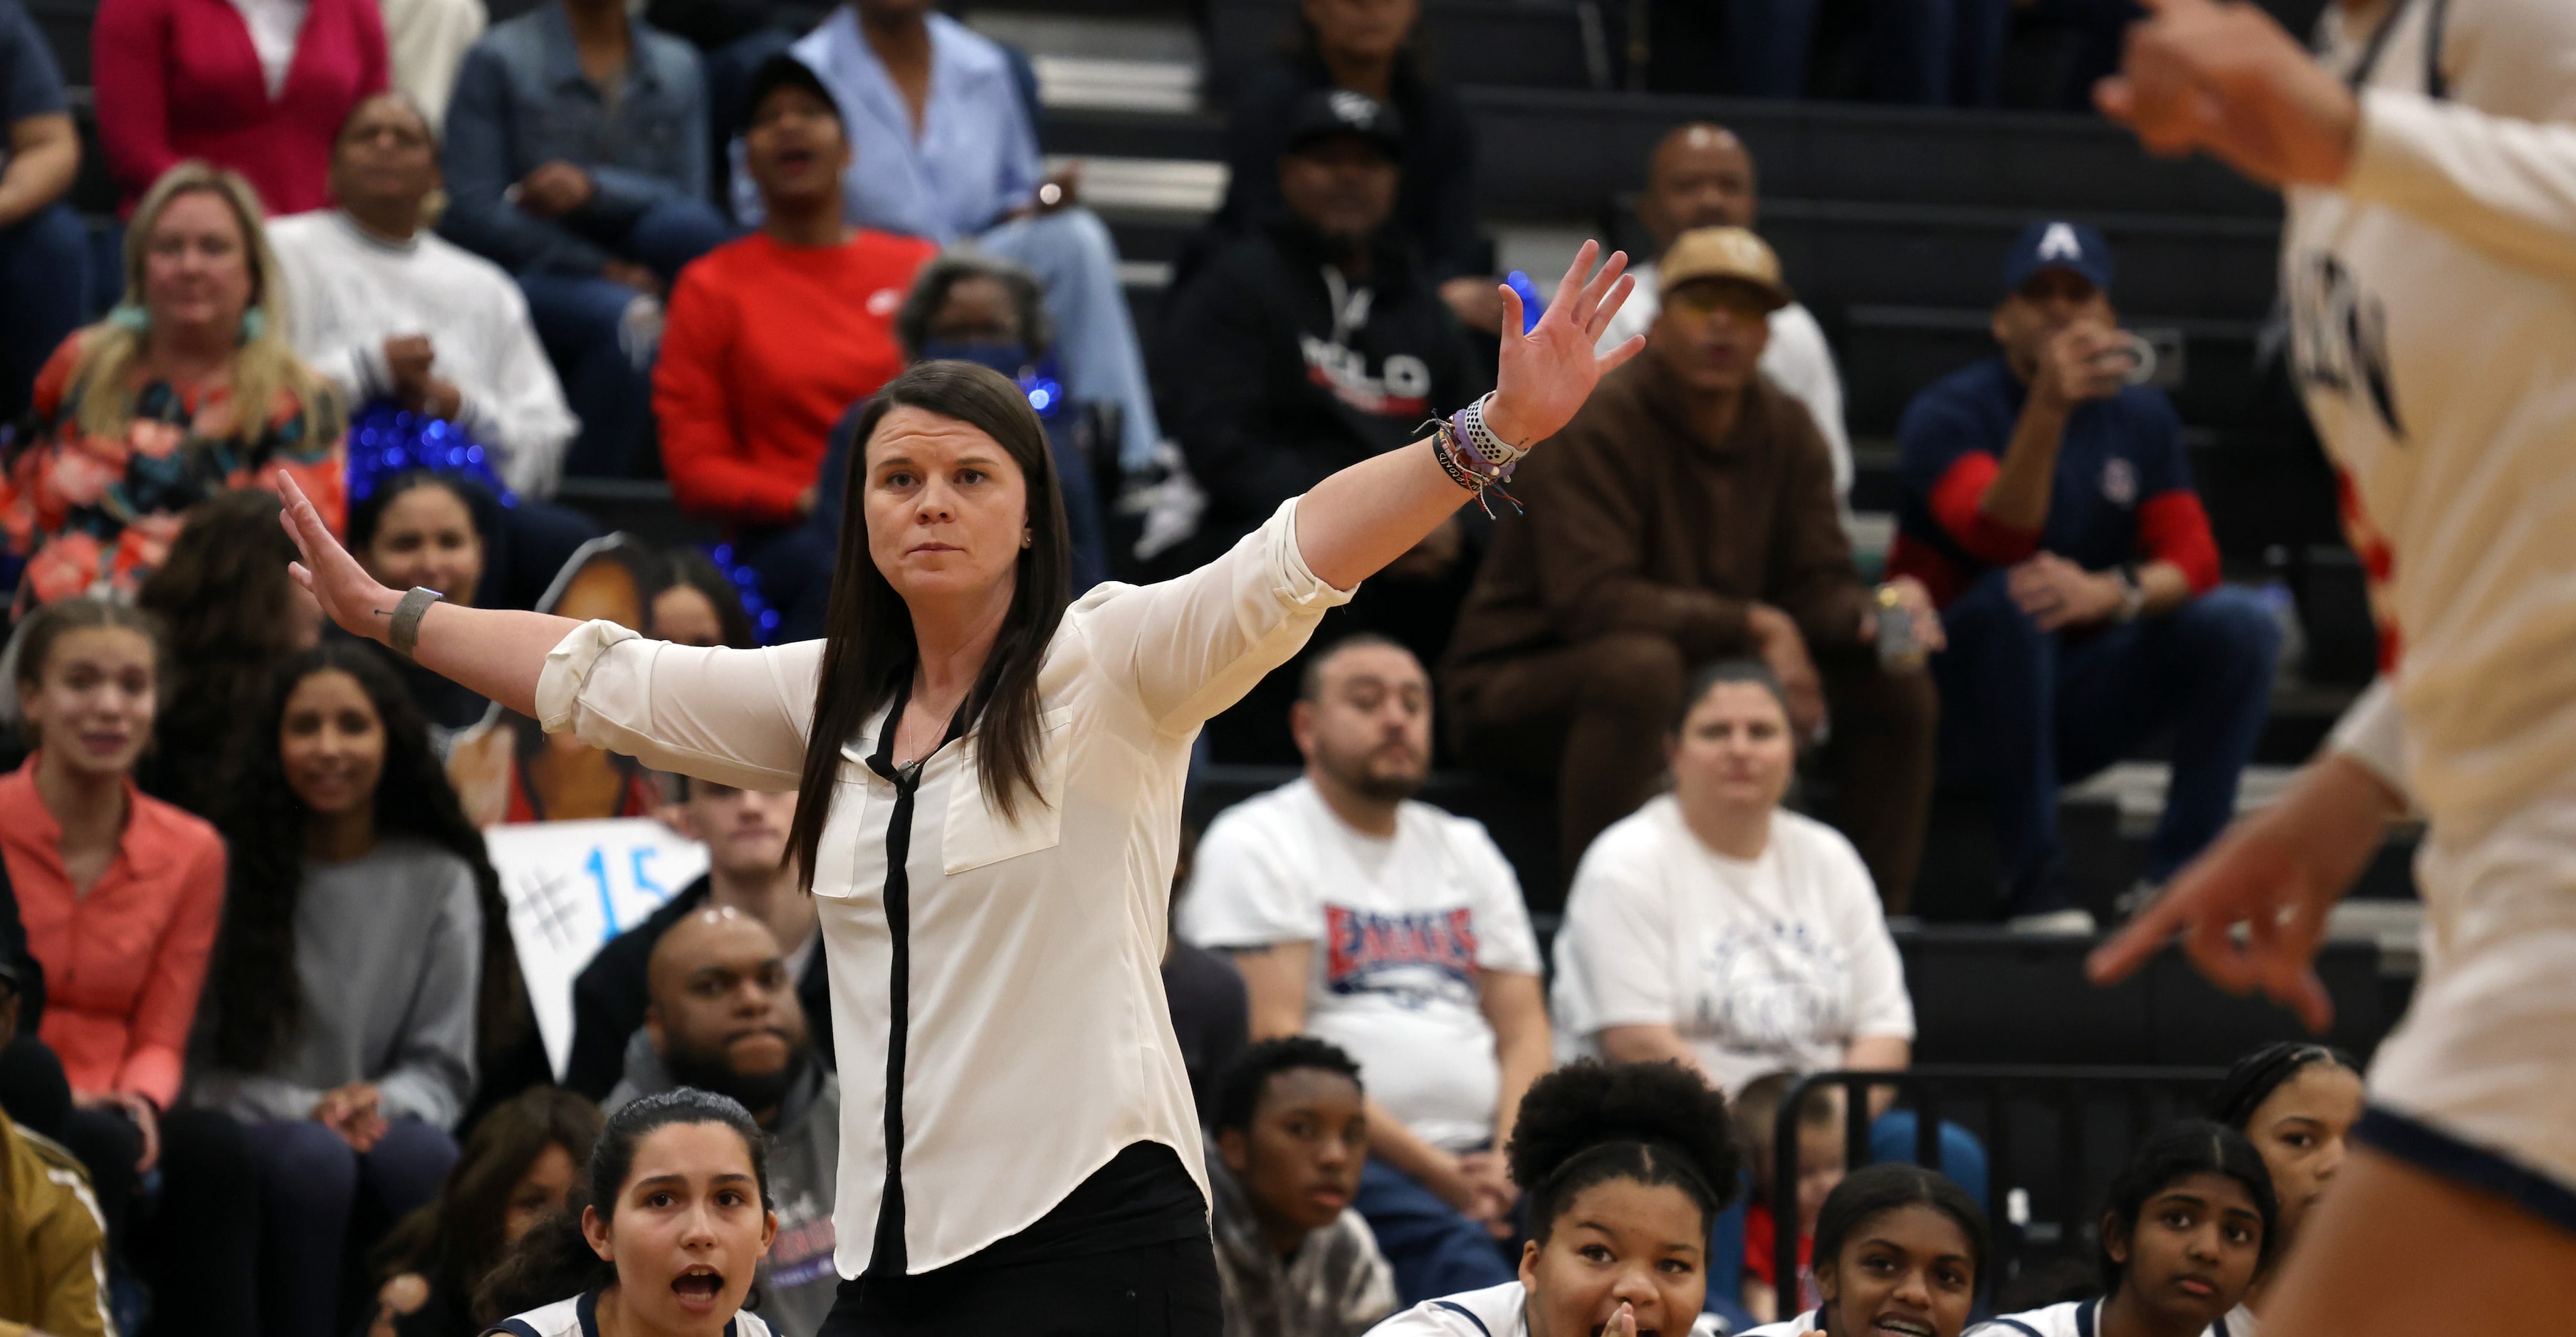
x=785, y=71
x=1326, y=112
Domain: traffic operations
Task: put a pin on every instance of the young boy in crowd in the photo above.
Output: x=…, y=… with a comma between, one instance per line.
x=1820, y=1167
x=1291, y=1135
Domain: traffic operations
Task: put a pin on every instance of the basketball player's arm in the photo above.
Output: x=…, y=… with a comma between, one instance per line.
x=2252, y=910
x=1274, y=979
x=2229, y=80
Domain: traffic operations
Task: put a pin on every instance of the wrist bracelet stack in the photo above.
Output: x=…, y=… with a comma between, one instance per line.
x=1474, y=457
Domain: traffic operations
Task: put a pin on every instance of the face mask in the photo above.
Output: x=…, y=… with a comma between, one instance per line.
x=1011, y=359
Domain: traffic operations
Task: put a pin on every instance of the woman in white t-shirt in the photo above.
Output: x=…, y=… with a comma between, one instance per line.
x=1626, y=1166
x=1714, y=928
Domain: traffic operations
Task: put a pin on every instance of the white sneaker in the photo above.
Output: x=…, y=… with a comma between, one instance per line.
x=2072, y=922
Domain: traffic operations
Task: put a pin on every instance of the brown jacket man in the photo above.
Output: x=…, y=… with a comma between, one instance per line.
x=1687, y=514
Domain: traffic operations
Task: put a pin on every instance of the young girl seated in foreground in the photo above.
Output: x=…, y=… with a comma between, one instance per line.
x=675, y=1219
x=1899, y=1251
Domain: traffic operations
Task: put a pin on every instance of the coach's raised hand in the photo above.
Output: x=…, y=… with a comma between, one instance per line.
x=351, y=598
x=1547, y=373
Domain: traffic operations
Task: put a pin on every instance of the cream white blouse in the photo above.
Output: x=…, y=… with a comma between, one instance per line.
x=1035, y=1037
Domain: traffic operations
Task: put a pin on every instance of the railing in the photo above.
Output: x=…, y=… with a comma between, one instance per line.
x=2094, y=1111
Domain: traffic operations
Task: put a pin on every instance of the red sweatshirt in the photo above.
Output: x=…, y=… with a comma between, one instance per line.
x=178, y=79
x=765, y=347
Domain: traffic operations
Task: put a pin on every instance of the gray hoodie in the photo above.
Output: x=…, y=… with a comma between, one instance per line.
x=797, y=1280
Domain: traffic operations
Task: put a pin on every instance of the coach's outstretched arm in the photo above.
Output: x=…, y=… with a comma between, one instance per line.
x=1352, y=524
x=2228, y=80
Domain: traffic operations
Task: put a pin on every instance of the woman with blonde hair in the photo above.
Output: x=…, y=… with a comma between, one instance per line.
x=140, y=416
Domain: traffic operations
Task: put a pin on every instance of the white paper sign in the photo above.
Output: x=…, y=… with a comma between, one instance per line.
x=572, y=886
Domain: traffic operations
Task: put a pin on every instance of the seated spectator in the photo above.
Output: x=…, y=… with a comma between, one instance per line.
x=2048, y=506
x=138, y=416
x=1627, y=1167
x=55, y=1281
x=1714, y=929
x=398, y=316
x=700, y=606
x=446, y=533
x=576, y=159
x=119, y=893
x=366, y=961
x=230, y=615
x=725, y=1018
x=1312, y=342
x=44, y=249
x=522, y=1164
x=772, y=337
x=745, y=832
x=2189, y=1224
x=254, y=90
x=975, y=308
x=1211, y=1014
x=507, y=769
x=1687, y=514
x=1701, y=175
x=1396, y=931
x=1820, y=1167
x=1291, y=1135
x=2297, y=1103
x=947, y=150
x=1899, y=1249
x=655, y=1153
x=1369, y=47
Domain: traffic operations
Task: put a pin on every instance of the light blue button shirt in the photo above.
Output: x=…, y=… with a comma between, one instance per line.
x=975, y=159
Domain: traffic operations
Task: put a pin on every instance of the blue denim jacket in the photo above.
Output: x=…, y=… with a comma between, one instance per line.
x=522, y=101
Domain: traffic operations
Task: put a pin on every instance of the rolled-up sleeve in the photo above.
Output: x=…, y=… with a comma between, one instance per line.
x=735, y=717
x=1192, y=646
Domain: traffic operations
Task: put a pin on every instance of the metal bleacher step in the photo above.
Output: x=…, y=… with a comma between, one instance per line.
x=1549, y=154
x=1098, y=62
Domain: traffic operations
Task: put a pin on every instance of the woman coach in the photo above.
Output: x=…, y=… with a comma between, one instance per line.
x=992, y=785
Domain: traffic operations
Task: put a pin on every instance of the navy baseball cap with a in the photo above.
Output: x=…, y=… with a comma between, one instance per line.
x=2058, y=243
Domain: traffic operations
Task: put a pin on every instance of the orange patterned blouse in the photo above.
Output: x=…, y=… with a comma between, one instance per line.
x=95, y=514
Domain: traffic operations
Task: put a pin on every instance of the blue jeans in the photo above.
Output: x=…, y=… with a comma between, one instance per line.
x=1095, y=343
x=2025, y=711
x=1434, y=1249
x=44, y=285
x=1932, y=53
x=317, y=1196
x=578, y=316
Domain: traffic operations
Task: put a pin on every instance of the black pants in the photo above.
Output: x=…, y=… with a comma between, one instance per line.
x=1151, y=1290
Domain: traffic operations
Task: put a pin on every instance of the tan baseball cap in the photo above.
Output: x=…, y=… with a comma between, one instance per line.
x=1723, y=253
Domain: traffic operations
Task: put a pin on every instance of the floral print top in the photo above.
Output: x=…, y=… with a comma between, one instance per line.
x=95, y=514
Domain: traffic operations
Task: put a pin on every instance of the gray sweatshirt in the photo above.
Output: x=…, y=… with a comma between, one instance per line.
x=389, y=954
x=797, y=1279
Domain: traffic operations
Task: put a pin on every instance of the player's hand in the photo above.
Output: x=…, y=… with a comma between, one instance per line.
x=2251, y=911
x=2057, y=594
x=1623, y=1321
x=1547, y=373
x=2228, y=79
x=352, y=599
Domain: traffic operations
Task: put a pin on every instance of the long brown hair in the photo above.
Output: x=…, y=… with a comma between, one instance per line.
x=868, y=646
x=456, y=1237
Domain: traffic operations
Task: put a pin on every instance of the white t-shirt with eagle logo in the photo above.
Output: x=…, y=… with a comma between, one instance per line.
x=1765, y=964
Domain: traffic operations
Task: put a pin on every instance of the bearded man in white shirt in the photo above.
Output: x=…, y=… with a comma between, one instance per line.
x=1397, y=932
x=1701, y=175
